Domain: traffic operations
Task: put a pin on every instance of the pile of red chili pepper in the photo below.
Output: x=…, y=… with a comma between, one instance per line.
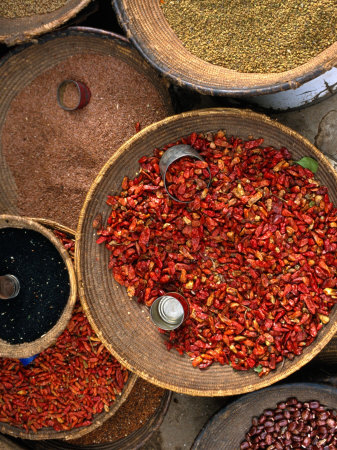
x=67, y=384
x=254, y=254
x=186, y=177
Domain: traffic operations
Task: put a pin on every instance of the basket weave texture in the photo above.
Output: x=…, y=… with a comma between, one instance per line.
x=226, y=430
x=100, y=418
x=32, y=348
x=146, y=26
x=18, y=30
x=18, y=70
x=124, y=325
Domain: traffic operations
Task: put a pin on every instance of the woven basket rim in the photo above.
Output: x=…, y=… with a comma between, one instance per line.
x=26, y=350
x=290, y=79
x=103, y=416
x=41, y=24
x=261, y=382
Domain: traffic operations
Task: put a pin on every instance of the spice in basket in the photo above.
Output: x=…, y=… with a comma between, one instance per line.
x=293, y=424
x=13, y=9
x=67, y=384
x=44, y=281
x=141, y=404
x=254, y=254
x=50, y=152
x=249, y=36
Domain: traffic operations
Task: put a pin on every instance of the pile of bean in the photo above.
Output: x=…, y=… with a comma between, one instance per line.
x=254, y=254
x=293, y=424
x=67, y=384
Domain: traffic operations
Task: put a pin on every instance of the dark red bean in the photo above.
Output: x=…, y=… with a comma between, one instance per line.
x=314, y=404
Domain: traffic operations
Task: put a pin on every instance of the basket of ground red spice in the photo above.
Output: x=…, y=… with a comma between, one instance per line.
x=233, y=48
x=47, y=156
x=253, y=254
x=301, y=415
x=33, y=319
x=21, y=21
x=69, y=389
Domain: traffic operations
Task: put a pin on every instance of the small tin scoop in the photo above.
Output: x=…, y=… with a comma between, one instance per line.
x=171, y=155
x=83, y=94
x=9, y=287
x=169, y=311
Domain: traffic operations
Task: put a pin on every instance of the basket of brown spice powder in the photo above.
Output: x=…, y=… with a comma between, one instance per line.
x=234, y=48
x=49, y=156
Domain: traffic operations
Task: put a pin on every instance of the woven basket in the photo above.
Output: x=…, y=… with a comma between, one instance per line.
x=18, y=70
x=124, y=325
x=17, y=30
x=146, y=26
x=32, y=348
x=133, y=441
x=226, y=430
x=100, y=418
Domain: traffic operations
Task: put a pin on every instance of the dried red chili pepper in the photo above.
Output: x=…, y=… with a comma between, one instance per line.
x=254, y=253
x=67, y=384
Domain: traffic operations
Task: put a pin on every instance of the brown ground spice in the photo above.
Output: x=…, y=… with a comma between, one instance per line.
x=142, y=403
x=54, y=155
x=23, y=8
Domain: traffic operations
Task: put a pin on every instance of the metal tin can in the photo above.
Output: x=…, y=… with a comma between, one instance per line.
x=83, y=91
x=169, y=311
x=171, y=155
x=9, y=287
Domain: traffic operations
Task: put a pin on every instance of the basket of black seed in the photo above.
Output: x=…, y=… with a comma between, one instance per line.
x=37, y=288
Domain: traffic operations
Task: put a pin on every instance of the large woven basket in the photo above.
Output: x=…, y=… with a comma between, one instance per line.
x=18, y=70
x=226, y=430
x=146, y=26
x=124, y=325
x=17, y=30
x=100, y=418
x=28, y=349
x=135, y=440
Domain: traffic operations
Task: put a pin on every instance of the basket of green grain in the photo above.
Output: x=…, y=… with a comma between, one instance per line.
x=21, y=21
x=233, y=48
x=253, y=253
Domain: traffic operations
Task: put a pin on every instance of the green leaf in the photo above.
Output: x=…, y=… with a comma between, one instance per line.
x=258, y=368
x=308, y=163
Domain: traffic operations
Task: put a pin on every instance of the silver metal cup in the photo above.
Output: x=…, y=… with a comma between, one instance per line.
x=167, y=312
x=171, y=155
x=9, y=287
